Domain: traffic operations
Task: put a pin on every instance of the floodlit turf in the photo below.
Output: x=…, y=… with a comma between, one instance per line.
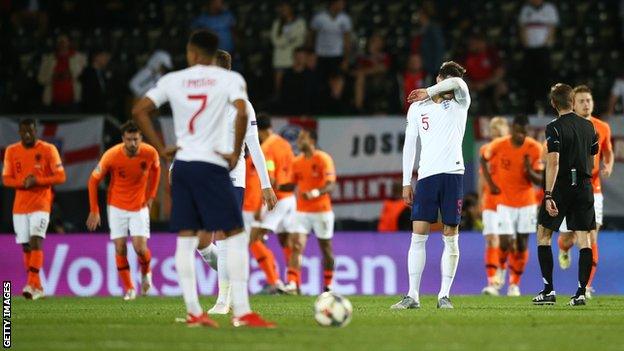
x=477, y=323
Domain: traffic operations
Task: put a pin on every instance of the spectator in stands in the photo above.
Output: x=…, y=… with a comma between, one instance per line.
x=95, y=81
x=617, y=92
x=337, y=102
x=287, y=34
x=413, y=77
x=429, y=42
x=299, y=86
x=331, y=34
x=59, y=74
x=29, y=14
x=538, y=21
x=219, y=20
x=146, y=78
x=370, y=72
x=395, y=215
x=485, y=74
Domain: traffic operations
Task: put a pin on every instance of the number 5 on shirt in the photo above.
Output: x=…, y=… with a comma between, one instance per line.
x=204, y=99
x=425, y=122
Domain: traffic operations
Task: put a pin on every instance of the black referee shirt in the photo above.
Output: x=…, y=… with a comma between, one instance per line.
x=575, y=139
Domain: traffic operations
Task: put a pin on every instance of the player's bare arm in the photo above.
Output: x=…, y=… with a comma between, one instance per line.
x=142, y=113
x=552, y=169
x=314, y=193
x=608, y=159
x=487, y=176
x=534, y=176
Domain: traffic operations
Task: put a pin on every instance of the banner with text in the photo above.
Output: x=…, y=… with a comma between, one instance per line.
x=366, y=263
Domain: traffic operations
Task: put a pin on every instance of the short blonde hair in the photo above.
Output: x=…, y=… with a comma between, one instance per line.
x=500, y=123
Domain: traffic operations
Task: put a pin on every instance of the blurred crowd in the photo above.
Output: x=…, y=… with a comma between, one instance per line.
x=321, y=65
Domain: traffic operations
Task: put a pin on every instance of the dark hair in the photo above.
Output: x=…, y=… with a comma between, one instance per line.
x=27, y=122
x=521, y=120
x=561, y=96
x=451, y=69
x=129, y=127
x=223, y=59
x=204, y=40
x=311, y=133
x=581, y=89
x=264, y=121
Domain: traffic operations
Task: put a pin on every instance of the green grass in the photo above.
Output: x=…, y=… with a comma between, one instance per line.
x=476, y=323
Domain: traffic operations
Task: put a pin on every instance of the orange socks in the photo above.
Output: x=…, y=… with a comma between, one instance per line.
x=265, y=260
x=124, y=272
x=328, y=276
x=517, y=263
x=563, y=246
x=27, y=261
x=287, y=253
x=144, y=261
x=594, y=264
x=491, y=263
x=35, y=262
x=502, y=258
x=293, y=275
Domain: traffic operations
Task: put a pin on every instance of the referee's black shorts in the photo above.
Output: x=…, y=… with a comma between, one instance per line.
x=575, y=204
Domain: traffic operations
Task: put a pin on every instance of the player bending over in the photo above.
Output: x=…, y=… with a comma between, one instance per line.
x=584, y=107
x=517, y=161
x=32, y=167
x=213, y=253
x=134, y=169
x=495, y=254
x=438, y=117
x=203, y=197
x=314, y=176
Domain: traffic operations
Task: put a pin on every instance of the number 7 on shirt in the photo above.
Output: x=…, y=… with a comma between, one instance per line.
x=204, y=99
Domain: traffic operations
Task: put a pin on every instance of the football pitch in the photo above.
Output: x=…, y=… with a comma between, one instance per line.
x=476, y=323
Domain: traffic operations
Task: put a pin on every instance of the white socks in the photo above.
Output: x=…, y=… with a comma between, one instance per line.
x=185, y=266
x=209, y=255
x=224, y=296
x=416, y=257
x=450, y=259
x=237, y=263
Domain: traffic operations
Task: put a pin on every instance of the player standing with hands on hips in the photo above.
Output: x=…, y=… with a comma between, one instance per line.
x=437, y=116
x=571, y=142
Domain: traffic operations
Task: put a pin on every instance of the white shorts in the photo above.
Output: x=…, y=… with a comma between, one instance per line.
x=249, y=221
x=514, y=220
x=491, y=223
x=322, y=223
x=280, y=218
x=122, y=222
x=598, y=208
x=30, y=224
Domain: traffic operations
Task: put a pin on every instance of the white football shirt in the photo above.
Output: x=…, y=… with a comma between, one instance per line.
x=253, y=145
x=439, y=128
x=200, y=97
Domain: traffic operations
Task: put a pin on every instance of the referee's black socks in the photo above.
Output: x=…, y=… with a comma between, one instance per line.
x=584, y=270
x=545, y=256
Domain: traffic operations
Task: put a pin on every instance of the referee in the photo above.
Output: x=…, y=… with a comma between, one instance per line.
x=572, y=142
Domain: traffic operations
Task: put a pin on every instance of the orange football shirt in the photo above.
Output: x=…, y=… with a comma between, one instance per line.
x=489, y=201
x=279, y=159
x=313, y=173
x=129, y=177
x=252, y=201
x=604, y=143
x=44, y=162
x=510, y=176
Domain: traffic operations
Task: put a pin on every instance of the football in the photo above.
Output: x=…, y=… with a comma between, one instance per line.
x=332, y=310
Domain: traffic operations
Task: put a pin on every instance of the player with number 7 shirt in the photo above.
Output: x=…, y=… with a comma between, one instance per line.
x=202, y=194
